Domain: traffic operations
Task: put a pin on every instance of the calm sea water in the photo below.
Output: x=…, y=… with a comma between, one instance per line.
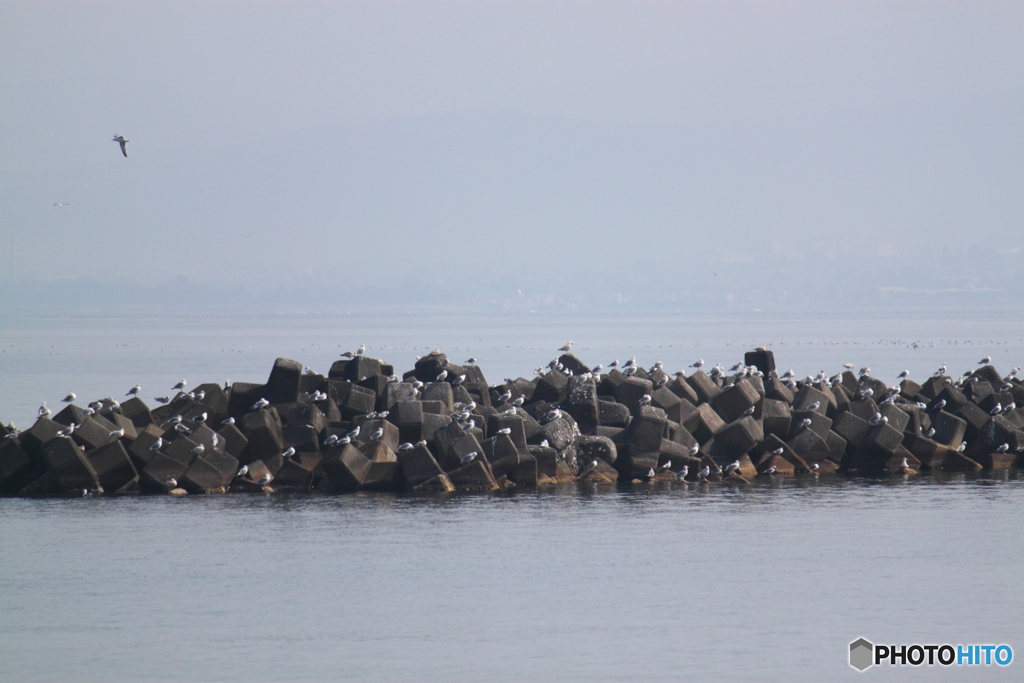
x=770, y=581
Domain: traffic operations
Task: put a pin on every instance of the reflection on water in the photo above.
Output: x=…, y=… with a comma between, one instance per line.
x=767, y=581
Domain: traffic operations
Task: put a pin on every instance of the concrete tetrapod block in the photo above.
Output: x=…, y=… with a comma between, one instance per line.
x=294, y=475
x=113, y=467
x=709, y=423
x=137, y=411
x=346, y=467
x=504, y=457
x=16, y=469
x=559, y=433
x=473, y=476
x=70, y=413
x=807, y=396
x=599, y=472
x=234, y=440
x=740, y=436
x=511, y=421
x=439, y=391
x=732, y=403
x=776, y=417
x=202, y=477
x=776, y=389
x=898, y=419
x=703, y=386
x=630, y=392
x=648, y=428
x=70, y=467
x=360, y=368
x=283, y=384
x=306, y=416
x=139, y=450
x=763, y=360
x=418, y=466
x=681, y=388
x=265, y=435
x=551, y=387
x=581, y=400
x=819, y=423
x=94, y=432
x=809, y=446
x=360, y=401
x=162, y=474
x=383, y=469
x=669, y=402
x=975, y=418
x=612, y=414
x=590, y=447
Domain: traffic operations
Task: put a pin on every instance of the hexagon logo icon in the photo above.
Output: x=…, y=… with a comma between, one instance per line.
x=862, y=654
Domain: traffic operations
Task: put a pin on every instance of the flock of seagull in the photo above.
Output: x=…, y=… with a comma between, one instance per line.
x=463, y=415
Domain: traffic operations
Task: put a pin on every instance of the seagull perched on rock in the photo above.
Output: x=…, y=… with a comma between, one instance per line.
x=201, y=417
x=134, y=391
x=43, y=410
x=67, y=432
x=694, y=450
x=116, y=434
x=228, y=421
x=402, y=448
x=996, y=409
x=699, y=364
x=260, y=404
x=162, y=399
x=265, y=479
x=644, y=400
x=198, y=450
x=69, y=398
x=377, y=434
x=732, y=467
x=123, y=141
x=471, y=361
x=468, y=457
x=985, y=361
x=180, y=386
x=331, y=440
x=681, y=474
x=289, y=453
x=567, y=347
x=242, y=471
x=158, y=444
x=705, y=471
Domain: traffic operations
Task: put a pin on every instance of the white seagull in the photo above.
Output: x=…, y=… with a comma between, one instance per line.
x=123, y=141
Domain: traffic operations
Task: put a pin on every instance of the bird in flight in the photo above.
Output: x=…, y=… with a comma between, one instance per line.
x=123, y=141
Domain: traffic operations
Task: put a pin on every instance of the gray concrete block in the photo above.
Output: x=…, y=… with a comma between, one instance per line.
x=345, y=467
x=113, y=467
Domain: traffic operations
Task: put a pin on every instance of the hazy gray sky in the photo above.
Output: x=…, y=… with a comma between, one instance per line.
x=513, y=145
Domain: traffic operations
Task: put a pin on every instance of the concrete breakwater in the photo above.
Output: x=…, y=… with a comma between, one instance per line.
x=442, y=427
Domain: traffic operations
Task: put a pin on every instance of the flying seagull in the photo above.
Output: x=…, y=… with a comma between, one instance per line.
x=123, y=141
